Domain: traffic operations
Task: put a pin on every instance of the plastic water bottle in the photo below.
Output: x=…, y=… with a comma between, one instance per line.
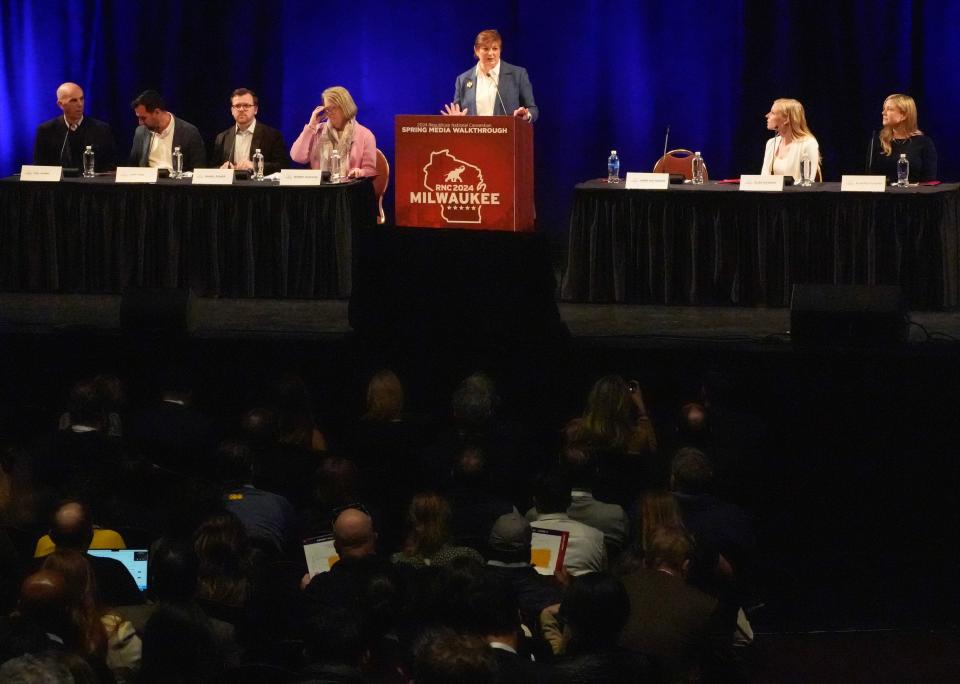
x=89, y=163
x=806, y=171
x=903, y=171
x=177, y=163
x=258, y=165
x=335, y=166
x=699, y=169
x=613, y=167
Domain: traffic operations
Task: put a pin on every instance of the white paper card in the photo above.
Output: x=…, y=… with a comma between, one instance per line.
x=137, y=174
x=301, y=177
x=213, y=176
x=30, y=172
x=863, y=183
x=548, y=549
x=320, y=554
x=647, y=181
x=760, y=183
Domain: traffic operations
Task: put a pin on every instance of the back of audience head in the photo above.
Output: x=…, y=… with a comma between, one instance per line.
x=337, y=482
x=551, y=492
x=235, y=462
x=178, y=646
x=222, y=549
x=580, y=466
x=173, y=571
x=353, y=534
x=43, y=602
x=72, y=527
x=259, y=427
x=443, y=656
x=428, y=523
x=608, y=410
x=657, y=509
x=670, y=548
x=385, y=397
x=691, y=472
x=510, y=539
x=89, y=404
x=596, y=608
x=475, y=402
x=80, y=595
x=45, y=668
x=693, y=428
x=470, y=468
x=492, y=610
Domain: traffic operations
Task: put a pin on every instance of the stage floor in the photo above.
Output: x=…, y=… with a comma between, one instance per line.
x=648, y=325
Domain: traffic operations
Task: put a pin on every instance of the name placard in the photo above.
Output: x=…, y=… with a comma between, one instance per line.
x=647, y=181
x=137, y=174
x=863, y=184
x=33, y=173
x=213, y=176
x=760, y=183
x=301, y=177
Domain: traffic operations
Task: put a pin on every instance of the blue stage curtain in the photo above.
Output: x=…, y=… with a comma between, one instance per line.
x=605, y=74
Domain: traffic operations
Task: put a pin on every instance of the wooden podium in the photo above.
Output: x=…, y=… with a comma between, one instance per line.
x=469, y=172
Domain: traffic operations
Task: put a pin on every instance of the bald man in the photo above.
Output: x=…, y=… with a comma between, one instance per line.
x=62, y=140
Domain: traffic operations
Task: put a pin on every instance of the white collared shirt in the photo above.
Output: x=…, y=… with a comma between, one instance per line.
x=487, y=91
x=242, y=142
x=161, y=147
x=72, y=127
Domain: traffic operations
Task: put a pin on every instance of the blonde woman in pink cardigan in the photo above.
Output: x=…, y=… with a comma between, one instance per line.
x=333, y=125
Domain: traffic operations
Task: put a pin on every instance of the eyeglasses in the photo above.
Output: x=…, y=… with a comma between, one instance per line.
x=242, y=107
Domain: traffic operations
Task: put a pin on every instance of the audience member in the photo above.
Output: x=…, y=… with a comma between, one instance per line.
x=585, y=545
x=474, y=504
x=509, y=561
x=444, y=656
x=289, y=397
x=428, y=535
x=676, y=625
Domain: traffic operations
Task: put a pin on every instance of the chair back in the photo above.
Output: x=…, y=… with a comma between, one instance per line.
x=380, y=183
x=679, y=161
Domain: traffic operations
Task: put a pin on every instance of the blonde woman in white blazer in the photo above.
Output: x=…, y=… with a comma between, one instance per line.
x=793, y=140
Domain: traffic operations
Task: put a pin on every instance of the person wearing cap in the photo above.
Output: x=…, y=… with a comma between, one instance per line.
x=509, y=560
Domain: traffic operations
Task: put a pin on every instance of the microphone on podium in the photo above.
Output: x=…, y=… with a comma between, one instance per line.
x=665, y=139
x=496, y=87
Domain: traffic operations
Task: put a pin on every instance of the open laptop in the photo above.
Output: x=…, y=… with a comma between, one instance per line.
x=134, y=560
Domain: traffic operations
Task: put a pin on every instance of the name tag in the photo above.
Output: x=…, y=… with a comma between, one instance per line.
x=301, y=177
x=863, y=184
x=137, y=174
x=33, y=173
x=647, y=181
x=213, y=176
x=760, y=183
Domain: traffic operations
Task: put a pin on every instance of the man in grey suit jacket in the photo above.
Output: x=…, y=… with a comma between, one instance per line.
x=160, y=132
x=234, y=147
x=493, y=87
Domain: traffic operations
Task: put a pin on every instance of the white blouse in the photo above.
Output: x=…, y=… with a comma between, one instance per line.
x=789, y=164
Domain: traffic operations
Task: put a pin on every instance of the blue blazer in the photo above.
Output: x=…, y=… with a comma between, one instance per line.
x=514, y=86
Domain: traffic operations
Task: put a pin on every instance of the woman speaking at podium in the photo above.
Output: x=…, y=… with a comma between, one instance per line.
x=334, y=126
x=493, y=87
x=793, y=140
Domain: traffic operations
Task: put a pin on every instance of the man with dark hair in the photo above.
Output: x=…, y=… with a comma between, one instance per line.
x=62, y=140
x=160, y=132
x=443, y=656
x=234, y=147
x=580, y=466
x=473, y=504
x=495, y=616
x=266, y=516
x=676, y=625
x=585, y=545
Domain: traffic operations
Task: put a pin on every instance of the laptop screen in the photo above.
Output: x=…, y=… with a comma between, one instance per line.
x=134, y=560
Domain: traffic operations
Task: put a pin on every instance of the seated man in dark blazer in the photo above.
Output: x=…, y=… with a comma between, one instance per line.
x=62, y=140
x=160, y=132
x=234, y=147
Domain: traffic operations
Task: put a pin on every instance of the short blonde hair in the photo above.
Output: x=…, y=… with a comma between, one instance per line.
x=340, y=96
x=384, y=397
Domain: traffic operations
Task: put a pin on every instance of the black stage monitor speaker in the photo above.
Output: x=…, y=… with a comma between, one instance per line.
x=156, y=310
x=858, y=315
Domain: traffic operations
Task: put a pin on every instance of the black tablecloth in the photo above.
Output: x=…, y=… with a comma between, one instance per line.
x=250, y=239
x=714, y=244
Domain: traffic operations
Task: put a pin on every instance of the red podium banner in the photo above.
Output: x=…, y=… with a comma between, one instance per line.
x=470, y=172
